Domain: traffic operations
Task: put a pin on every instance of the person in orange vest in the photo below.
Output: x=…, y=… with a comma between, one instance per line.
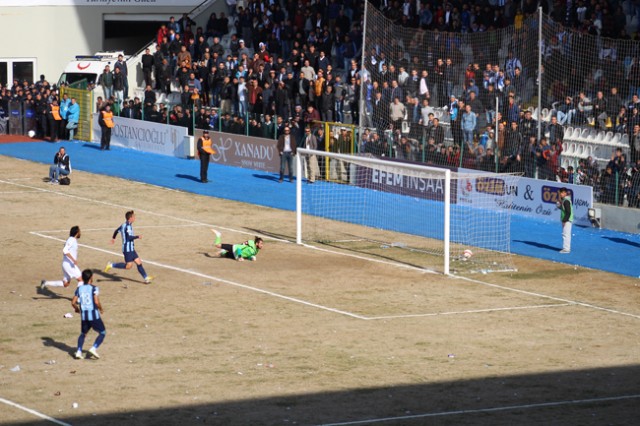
x=205, y=149
x=106, y=124
x=55, y=119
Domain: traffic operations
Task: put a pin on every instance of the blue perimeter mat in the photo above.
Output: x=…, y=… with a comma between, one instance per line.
x=592, y=248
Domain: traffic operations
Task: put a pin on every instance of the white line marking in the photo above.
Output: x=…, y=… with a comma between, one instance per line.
x=106, y=203
x=19, y=192
x=220, y=280
x=34, y=412
x=399, y=265
x=558, y=299
x=488, y=410
x=471, y=311
x=54, y=231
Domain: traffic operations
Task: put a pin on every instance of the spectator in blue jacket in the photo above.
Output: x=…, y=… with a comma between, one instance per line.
x=468, y=125
x=73, y=117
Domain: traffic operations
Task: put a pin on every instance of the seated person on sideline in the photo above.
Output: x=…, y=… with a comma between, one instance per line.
x=61, y=166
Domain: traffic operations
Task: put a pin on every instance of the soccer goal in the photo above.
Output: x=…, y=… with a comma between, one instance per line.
x=434, y=218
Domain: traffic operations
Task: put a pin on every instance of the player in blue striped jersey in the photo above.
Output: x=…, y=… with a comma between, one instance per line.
x=87, y=303
x=128, y=249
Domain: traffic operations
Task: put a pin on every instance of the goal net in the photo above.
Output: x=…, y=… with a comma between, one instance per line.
x=427, y=217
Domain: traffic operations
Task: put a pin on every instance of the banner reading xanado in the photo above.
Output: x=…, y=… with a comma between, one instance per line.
x=243, y=151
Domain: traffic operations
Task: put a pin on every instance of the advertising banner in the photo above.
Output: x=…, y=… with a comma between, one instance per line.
x=531, y=197
x=145, y=136
x=244, y=151
x=397, y=183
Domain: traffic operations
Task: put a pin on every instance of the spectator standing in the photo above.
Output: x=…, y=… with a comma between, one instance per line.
x=397, y=112
x=106, y=82
x=468, y=124
x=437, y=132
x=41, y=108
x=64, y=114
x=118, y=86
x=157, y=67
x=149, y=99
x=311, y=142
x=166, y=76
x=121, y=64
x=73, y=117
x=148, y=62
x=287, y=148
x=556, y=131
x=327, y=104
x=173, y=25
x=511, y=64
x=163, y=32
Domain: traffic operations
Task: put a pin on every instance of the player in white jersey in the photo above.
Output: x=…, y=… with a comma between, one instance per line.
x=70, y=269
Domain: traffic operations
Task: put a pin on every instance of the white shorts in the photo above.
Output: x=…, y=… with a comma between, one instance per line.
x=69, y=270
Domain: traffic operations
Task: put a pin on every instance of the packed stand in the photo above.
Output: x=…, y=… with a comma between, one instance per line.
x=48, y=115
x=425, y=98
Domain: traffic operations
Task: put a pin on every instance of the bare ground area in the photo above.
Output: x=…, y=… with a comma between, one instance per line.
x=302, y=336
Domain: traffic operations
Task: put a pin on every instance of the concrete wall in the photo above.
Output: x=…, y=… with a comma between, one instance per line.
x=623, y=219
x=56, y=34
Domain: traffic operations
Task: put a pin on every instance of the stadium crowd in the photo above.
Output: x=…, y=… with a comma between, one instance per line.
x=296, y=63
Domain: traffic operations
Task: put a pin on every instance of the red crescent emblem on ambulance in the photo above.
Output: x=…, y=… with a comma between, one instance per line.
x=83, y=67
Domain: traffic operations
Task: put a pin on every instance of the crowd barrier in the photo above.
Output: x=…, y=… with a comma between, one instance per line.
x=532, y=197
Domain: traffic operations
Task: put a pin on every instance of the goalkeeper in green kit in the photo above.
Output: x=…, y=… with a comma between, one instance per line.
x=247, y=250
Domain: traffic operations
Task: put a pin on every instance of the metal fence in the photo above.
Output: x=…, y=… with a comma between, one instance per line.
x=573, y=97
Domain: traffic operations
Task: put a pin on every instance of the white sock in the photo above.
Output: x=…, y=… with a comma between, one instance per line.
x=54, y=283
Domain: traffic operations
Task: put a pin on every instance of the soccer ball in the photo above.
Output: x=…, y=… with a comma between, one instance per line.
x=31, y=133
x=467, y=254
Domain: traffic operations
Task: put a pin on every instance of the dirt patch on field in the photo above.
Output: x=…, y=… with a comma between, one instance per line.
x=302, y=336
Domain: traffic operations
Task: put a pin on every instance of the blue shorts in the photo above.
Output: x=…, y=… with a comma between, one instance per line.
x=96, y=324
x=130, y=256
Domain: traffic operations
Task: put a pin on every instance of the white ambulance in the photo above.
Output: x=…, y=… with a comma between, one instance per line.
x=89, y=68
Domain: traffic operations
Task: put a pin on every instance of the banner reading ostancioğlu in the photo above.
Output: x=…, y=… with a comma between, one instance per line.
x=145, y=136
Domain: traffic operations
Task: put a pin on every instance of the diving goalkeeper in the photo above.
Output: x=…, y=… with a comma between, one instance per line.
x=247, y=250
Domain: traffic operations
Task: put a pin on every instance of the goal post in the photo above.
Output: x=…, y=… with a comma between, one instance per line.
x=437, y=219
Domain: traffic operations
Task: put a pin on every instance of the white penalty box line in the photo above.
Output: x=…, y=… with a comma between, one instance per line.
x=562, y=302
x=34, y=412
x=297, y=300
x=217, y=279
